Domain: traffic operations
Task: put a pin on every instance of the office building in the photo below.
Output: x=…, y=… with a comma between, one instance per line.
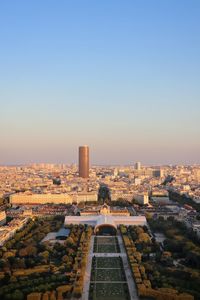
x=138, y=166
x=36, y=199
x=158, y=173
x=84, y=161
x=141, y=198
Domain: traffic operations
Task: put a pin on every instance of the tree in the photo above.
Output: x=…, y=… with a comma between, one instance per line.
x=65, y=259
x=6, y=278
x=2, y=263
x=45, y=255
x=13, y=279
x=144, y=238
x=70, y=242
x=23, y=252
x=31, y=250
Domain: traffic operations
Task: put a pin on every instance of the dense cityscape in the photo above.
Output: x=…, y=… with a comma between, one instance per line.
x=100, y=150
x=99, y=232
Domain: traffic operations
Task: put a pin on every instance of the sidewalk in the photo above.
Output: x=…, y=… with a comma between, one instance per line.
x=86, y=284
x=129, y=277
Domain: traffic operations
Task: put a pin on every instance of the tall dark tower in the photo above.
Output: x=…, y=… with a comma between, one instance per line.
x=84, y=161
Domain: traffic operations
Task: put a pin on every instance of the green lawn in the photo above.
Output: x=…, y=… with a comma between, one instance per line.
x=108, y=275
x=106, y=249
x=106, y=245
x=109, y=291
x=108, y=280
x=105, y=240
x=106, y=262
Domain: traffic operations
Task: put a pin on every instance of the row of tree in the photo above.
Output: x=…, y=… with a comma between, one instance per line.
x=28, y=265
x=132, y=237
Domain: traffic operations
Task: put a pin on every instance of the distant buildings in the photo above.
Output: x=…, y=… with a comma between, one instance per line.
x=2, y=218
x=137, y=181
x=8, y=231
x=138, y=166
x=197, y=175
x=158, y=173
x=116, y=196
x=21, y=198
x=84, y=161
x=141, y=198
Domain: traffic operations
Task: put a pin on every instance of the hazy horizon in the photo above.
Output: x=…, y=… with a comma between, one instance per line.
x=120, y=77
x=102, y=165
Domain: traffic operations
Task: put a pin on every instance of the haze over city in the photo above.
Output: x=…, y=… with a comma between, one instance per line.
x=99, y=150
x=120, y=77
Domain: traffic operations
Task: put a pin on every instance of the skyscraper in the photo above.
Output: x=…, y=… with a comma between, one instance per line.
x=84, y=161
x=138, y=166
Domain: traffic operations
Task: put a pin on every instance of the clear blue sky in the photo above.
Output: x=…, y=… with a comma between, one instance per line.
x=120, y=76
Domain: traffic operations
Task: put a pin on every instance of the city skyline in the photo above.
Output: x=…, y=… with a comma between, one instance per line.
x=121, y=78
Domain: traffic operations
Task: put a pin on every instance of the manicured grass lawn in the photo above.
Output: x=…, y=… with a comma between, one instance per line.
x=106, y=249
x=106, y=245
x=106, y=262
x=108, y=275
x=108, y=280
x=109, y=291
x=105, y=240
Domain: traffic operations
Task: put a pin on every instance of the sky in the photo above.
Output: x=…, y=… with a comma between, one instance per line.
x=120, y=76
